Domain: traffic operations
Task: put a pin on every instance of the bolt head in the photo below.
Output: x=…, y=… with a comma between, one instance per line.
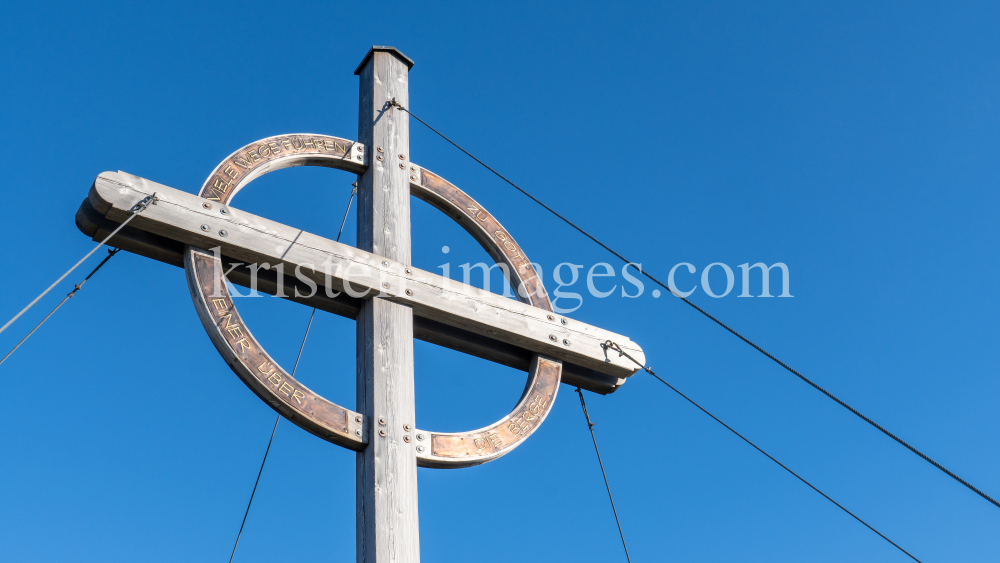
x=206, y=228
x=551, y=318
x=385, y=285
x=384, y=263
x=379, y=157
x=566, y=342
x=401, y=157
x=381, y=432
x=379, y=149
x=409, y=292
x=223, y=233
x=402, y=166
x=359, y=157
x=553, y=338
x=406, y=439
x=420, y=437
x=406, y=427
x=207, y=205
x=357, y=432
x=563, y=321
x=381, y=420
x=358, y=418
x=420, y=448
x=224, y=211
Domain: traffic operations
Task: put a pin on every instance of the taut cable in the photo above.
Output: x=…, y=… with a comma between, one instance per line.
x=136, y=209
x=755, y=346
x=615, y=347
x=590, y=426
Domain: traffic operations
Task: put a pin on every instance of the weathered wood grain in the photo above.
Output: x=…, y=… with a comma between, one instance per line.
x=170, y=251
x=250, y=238
x=388, y=522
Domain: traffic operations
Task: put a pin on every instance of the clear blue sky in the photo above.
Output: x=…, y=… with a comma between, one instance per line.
x=855, y=142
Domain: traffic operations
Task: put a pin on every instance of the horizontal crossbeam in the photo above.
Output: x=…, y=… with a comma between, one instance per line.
x=455, y=315
x=169, y=251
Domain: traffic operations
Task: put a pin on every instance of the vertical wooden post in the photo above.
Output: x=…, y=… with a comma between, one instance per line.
x=388, y=529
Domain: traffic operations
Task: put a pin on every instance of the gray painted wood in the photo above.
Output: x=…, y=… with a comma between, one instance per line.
x=179, y=215
x=388, y=528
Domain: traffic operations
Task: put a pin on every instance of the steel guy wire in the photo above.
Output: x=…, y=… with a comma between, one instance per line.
x=136, y=209
x=755, y=346
x=269, y=441
x=609, y=345
x=69, y=296
x=590, y=426
x=354, y=190
x=294, y=368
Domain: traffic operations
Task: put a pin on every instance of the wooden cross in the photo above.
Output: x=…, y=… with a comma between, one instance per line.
x=375, y=283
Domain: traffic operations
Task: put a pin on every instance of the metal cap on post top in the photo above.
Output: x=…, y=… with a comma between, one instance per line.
x=396, y=52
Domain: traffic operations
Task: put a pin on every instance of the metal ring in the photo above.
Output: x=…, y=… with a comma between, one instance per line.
x=463, y=449
x=216, y=308
x=295, y=401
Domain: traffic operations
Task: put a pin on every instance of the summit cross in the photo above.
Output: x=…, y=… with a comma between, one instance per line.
x=375, y=283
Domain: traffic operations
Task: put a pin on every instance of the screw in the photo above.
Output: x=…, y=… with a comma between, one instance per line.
x=414, y=178
x=357, y=432
x=358, y=418
x=385, y=285
x=381, y=420
x=420, y=448
x=384, y=263
x=409, y=271
x=379, y=149
x=378, y=156
x=406, y=439
x=563, y=321
x=223, y=233
x=205, y=228
x=224, y=211
x=207, y=205
x=401, y=157
x=420, y=437
x=360, y=148
x=359, y=157
x=551, y=318
x=381, y=432
x=566, y=342
x=409, y=292
x=402, y=166
x=553, y=338
x=412, y=169
x=406, y=427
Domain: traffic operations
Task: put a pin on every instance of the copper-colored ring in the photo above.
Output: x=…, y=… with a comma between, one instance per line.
x=295, y=401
